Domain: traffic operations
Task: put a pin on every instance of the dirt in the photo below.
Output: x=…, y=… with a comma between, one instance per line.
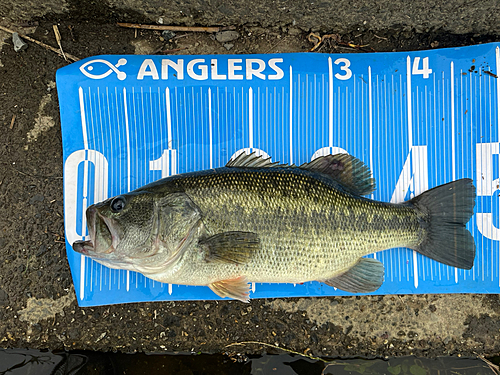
x=33, y=266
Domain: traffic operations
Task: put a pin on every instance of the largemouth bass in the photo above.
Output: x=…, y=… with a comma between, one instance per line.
x=258, y=221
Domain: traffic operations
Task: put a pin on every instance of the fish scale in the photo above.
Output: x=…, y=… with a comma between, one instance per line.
x=258, y=221
x=308, y=236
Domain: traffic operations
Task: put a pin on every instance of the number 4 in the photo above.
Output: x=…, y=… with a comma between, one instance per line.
x=425, y=71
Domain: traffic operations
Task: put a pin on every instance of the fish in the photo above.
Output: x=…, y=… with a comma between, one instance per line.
x=255, y=220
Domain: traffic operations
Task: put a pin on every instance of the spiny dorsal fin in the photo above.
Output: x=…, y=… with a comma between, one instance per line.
x=346, y=169
x=367, y=275
x=252, y=160
x=230, y=247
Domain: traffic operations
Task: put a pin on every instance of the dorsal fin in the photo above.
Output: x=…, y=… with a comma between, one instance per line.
x=252, y=160
x=349, y=171
x=346, y=169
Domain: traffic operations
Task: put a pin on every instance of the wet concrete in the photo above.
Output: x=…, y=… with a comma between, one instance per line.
x=459, y=16
x=38, y=307
x=30, y=361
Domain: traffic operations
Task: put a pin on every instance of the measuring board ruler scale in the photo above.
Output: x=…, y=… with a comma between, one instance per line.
x=417, y=119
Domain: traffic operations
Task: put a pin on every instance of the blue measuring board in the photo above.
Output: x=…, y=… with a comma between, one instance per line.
x=417, y=119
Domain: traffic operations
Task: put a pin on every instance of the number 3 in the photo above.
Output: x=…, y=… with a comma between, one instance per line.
x=345, y=68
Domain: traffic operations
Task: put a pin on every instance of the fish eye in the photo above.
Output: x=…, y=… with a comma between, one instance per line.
x=117, y=204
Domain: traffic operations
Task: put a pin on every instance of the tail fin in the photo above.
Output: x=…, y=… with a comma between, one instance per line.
x=446, y=209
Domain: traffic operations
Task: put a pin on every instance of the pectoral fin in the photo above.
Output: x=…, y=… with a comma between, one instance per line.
x=367, y=275
x=230, y=247
x=237, y=288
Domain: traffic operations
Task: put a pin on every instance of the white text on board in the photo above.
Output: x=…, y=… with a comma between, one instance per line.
x=200, y=69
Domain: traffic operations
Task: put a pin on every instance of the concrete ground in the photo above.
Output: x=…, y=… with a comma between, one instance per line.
x=38, y=307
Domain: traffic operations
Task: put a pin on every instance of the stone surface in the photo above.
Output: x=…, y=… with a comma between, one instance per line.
x=226, y=36
x=19, y=44
x=38, y=307
x=459, y=16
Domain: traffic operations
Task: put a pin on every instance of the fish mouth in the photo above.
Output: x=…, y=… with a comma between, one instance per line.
x=83, y=247
x=88, y=247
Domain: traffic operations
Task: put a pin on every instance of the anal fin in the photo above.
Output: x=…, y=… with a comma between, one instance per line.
x=237, y=288
x=367, y=275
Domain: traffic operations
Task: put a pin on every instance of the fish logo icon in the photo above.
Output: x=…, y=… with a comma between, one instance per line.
x=93, y=69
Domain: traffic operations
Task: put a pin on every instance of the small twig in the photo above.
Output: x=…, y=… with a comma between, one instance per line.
x=321, y=39
x=277, y=347
x=328, y=363
x=71, y=32
x=405, y=306
x=173, y=50
x=172, y=28
x=58, y=40
x=379, y=37
x=31, y=175
x=27, y=24
x=12, y=122
x=71, y=57
x=336, y=38
x=180, y=36
x=27, y=264
x=493, y=367
x=311, y=38
x=276, y=44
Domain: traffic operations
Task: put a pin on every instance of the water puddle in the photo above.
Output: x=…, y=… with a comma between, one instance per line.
x=30, y=361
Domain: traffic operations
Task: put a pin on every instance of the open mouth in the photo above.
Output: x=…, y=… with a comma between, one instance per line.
x=83, y=247
x=101, y=235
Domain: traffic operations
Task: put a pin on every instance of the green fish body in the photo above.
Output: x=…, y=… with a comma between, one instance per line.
x=257, y=221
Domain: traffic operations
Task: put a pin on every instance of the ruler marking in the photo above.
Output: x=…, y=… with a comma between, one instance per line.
x=497, y=61
x=453, y=150
x=410, y=142
x=291, y=117
x=210, y=134
x=85, y=173
x=330, y=103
